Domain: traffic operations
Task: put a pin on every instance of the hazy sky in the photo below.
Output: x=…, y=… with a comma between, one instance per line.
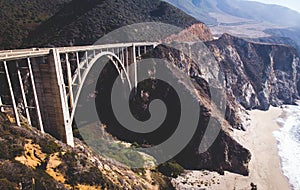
x=292, y=4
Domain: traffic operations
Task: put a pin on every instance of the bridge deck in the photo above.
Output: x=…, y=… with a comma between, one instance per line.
x=7, y=55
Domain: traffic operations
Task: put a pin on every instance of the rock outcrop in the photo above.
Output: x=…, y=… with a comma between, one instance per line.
x=258, y=75
x=196, y=32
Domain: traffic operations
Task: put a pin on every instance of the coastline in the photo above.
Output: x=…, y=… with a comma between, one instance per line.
x=288, y=143
x=265, y=164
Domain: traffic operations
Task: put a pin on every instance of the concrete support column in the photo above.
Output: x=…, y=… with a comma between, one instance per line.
x=23, y=95
x=12, y=95
x=67, y=123
x=1, y=105
x=35, y=94
x=86, y=59
x=123, y=56
x=139, y=51
x=70, y=81
x=127, y=61
x=78, y=68
x=135, y=66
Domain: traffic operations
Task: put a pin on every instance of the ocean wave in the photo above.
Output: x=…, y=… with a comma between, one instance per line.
x=288, y=138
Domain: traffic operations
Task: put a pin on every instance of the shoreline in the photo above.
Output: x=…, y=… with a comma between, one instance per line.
x=288, y=144
x=265, y=164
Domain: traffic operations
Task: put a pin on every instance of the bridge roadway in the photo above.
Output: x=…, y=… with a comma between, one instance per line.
x=52, y=82
x=8, y=55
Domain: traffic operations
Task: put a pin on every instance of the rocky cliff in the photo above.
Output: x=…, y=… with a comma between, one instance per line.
x=258, y=75
x=225, y=153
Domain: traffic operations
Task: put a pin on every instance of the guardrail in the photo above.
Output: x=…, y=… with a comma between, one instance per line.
x=7, y=55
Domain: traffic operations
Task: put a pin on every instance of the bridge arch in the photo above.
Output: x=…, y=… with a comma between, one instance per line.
x=113, y=58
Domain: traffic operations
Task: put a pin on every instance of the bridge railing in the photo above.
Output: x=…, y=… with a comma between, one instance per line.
x=8, y=55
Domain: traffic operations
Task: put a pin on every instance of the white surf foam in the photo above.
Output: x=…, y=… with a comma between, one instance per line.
x=289, y=145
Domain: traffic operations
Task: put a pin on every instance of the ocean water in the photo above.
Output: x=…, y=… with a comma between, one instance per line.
x=288, y=138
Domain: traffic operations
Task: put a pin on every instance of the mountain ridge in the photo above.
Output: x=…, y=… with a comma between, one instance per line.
x=246, y=19
x=102, y=18
x=243, y=9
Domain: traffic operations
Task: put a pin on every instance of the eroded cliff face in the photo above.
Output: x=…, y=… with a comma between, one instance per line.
x=225, y=153
x=258, y=75
x=255, y=76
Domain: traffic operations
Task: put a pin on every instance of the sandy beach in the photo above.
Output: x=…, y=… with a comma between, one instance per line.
x=265, y=166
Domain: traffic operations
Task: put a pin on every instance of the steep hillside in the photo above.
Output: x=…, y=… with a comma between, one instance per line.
x=32, y=160
x=19, y=17
x=84, y=22
x=197, y=8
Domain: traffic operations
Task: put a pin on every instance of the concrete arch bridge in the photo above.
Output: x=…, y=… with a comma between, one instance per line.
x=52, y=74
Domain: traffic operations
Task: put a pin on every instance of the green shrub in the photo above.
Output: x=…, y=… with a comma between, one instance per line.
x=49, y=147
x=171, y=169
x=136, y=145
x=130, y=158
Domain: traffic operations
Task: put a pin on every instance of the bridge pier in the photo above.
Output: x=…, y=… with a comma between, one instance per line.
x=51, y=91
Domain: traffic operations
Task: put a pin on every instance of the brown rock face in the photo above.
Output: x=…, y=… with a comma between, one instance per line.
x=258, y=75
x=225, y=153
x=196, y=32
